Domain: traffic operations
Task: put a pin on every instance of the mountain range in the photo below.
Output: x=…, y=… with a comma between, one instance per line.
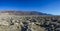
x=24, y=13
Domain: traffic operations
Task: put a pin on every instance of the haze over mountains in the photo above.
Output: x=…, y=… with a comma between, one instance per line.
x=24, y=13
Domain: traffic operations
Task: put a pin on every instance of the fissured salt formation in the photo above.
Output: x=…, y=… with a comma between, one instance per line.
x=28, y=21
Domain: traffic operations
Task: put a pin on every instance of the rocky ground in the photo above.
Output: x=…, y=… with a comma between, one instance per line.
x=29, y=23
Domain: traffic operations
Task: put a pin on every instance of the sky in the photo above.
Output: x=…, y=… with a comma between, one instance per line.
x=45, y=6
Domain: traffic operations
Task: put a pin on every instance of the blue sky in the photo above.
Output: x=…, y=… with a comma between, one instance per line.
x=45, y=6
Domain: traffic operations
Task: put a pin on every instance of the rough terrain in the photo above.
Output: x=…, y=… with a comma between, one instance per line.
x=29, y=23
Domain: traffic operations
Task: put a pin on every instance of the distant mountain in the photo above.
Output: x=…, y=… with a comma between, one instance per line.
x=24, y=13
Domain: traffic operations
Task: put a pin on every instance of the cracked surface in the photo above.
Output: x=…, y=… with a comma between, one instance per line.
x=29, y=23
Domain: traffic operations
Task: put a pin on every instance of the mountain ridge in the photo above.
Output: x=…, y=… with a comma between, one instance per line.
x=24, y=13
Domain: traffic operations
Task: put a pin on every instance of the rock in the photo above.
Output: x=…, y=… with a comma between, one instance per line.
x=28, y=23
